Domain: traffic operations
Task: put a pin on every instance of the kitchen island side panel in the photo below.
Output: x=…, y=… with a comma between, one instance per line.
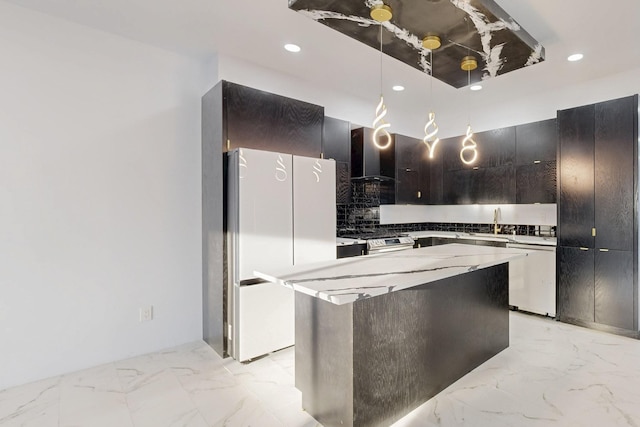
x=395, y=351
x=324, y=359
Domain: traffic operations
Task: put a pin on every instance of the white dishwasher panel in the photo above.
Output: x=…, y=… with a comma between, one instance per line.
x=532, y=280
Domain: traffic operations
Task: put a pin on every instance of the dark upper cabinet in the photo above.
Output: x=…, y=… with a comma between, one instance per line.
x=496, y=184
x=432, y=178
x=496, y=147
x=449, y=149
x=575, y=281
x=614, y=289
x=266, y=121
x=615, y=154
x=576, y=202
x=536, y=142
x=367, y=160
x=460, y=187
x=410, y=188
x=336, y=140
x=536, y=183
x=491, y=185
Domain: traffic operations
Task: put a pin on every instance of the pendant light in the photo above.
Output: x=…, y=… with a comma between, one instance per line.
x=431, y=42
x=468, y=144
x=381, y=137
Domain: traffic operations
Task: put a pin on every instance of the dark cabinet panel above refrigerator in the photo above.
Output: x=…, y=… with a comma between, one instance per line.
x=266, y=121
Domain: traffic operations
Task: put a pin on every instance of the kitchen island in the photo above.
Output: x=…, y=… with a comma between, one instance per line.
x=378, y=335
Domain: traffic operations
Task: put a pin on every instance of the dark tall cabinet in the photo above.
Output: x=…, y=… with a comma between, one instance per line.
x=597, y=215
x=236, y=116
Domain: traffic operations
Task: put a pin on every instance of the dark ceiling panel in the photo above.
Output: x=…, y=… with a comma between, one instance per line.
x=467, y=27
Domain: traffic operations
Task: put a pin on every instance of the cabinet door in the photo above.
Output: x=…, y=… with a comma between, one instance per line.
x=270, y=122
x=614, y=289
x=536, y=142
x=343, y=183
x=576, y=200
x=347, y=251
x=431, y=177
x=460, y=187
x=615, y=155
x=495, y=185
x=575, y=284
x=536, y=183
x=422, y=242
x=408, y=170
x=496, y=147
x=336, y=140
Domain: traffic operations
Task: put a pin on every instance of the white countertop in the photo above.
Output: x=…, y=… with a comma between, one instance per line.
x=346, y=280
x=507, y=238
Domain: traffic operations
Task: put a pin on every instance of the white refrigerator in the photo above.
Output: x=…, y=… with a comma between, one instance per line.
x=280, y=210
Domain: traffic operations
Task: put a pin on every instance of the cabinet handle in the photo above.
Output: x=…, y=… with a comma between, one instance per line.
x=419, y=194
x=362, y=252
x=584, y=249
x=593, y=232
x=228, y=144
x=535, y=162
x=604, y=250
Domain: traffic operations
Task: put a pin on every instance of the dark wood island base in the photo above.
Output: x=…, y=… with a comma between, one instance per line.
x=371, y=362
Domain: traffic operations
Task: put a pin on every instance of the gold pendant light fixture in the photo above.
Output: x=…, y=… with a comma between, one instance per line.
x=381, y=136
x=431, y=42
x=468, y=144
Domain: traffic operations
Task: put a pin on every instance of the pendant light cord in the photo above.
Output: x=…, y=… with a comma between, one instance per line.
x=380, y=58
x=431, y=78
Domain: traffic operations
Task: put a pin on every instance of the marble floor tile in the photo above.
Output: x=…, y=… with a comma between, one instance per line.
x=551, y=374
x=93, y=397
x=31, y=405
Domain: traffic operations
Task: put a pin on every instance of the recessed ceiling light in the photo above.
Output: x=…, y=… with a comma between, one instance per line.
x=292, y=47
x=398, y=88
x=476, y=87
x=575, y=57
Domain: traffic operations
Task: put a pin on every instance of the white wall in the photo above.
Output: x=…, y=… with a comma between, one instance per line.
x=100, y=209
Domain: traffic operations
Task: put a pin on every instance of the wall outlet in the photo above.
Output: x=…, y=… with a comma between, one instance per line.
x=146, y=313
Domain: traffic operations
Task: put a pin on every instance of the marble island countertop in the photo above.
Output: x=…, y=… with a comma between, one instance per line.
x=346, y=280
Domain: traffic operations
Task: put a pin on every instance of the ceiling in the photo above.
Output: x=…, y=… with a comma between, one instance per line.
x=256, y=31
x=477, y=29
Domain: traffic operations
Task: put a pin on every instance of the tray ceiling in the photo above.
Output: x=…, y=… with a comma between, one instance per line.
x=466, y=27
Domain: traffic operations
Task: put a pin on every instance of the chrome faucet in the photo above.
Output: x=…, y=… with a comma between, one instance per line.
x=496, y=215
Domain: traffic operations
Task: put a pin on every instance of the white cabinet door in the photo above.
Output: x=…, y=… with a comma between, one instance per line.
x=314, y=210
x=532, y=280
